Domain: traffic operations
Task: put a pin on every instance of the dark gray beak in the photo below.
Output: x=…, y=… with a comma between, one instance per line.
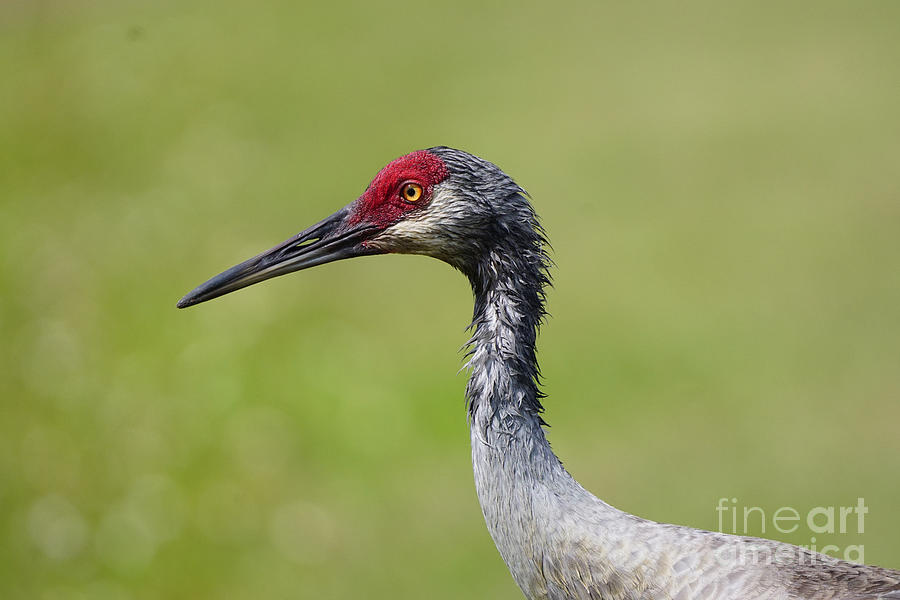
x=331, y=239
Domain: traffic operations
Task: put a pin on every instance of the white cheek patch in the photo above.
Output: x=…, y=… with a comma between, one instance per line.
x=434, y=230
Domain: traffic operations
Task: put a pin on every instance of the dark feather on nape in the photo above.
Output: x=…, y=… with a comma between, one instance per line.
x=511, y=268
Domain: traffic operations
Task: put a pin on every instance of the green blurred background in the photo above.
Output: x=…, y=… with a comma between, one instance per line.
x=719, y=181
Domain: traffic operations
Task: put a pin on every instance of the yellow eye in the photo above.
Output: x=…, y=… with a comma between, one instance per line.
x=411, y=192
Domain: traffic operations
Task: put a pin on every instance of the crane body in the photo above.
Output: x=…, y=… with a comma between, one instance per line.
x=559, y=541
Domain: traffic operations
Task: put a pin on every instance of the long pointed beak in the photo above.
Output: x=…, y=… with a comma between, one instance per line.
x=331, y=239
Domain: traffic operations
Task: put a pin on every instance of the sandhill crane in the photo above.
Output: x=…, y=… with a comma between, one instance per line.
x=558, y=540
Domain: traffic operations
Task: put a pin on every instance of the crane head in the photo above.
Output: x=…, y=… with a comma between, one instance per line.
x=438, y=202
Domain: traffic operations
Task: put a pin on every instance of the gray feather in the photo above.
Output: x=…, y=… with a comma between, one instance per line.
x=559, y=541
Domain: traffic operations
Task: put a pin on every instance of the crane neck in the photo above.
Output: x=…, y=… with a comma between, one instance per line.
x=503, y=394
x=515, y=470
x=503, y=391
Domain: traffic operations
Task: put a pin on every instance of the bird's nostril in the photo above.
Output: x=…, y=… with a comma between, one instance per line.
x=295, y=247
x=288, y=250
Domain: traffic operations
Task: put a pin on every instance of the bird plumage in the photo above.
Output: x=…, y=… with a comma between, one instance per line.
x=559, y=541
